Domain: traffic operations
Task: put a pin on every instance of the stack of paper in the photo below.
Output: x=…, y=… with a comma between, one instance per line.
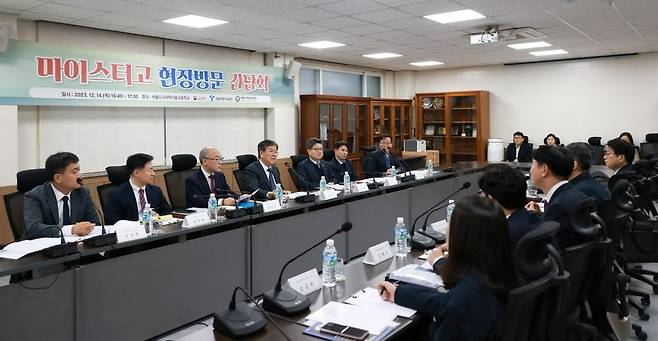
x=369, y=297
x=362, y=317
x=17, y=250
x=418, y=275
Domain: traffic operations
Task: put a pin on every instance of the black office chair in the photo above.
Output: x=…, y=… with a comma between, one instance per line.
x=243, y=161
x=26, y=180
x=365, y=152
x=532, y=307
x=650, y=146
x=117, y=175
x=328, y=154
x=299, y=182
x=296, y=159
x=182, y=166
x=597, y=150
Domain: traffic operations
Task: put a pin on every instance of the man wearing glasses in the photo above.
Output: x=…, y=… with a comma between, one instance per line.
x=208, y=179
x=262, y=176
x=313, y=168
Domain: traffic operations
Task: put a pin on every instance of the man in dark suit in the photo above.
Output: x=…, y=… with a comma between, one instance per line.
x=519, y=151
x=209, y=178
x=128, y=200
x=60, y=202
x=341, y=164
x=262, y=175
x=580, y=177
x=551, y=167
x=618, y=155
x=379, y=162
x=313, y=168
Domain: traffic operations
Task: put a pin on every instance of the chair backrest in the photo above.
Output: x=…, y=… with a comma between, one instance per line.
x=103, y=193
x=30, y=178
x=182, y=166
x=14, y=207
x=594, y=141
x=296, y=159
x=245, y=160
x=582, y=262
x=649, y=148
x=601, y=178
x=597, y=155
x=533, y=254
x=328, y=154
x=299, y=183
x=117, y=174
x=239, y=178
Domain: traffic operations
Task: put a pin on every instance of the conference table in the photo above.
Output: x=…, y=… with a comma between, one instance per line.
x=143, y=288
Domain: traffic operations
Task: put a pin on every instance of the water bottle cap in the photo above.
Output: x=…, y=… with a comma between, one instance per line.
x=400, y=220
x=322, y=177
x=346, y=173
x=451, y=201
x=330, y=242
x=147, y=206
x=212, y=195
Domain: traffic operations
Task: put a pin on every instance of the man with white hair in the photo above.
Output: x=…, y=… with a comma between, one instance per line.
x=208, y=179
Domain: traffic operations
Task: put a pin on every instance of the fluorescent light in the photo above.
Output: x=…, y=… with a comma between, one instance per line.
x=426, y=63
x=382, y=55
x=547, y=52
x=195, y=21
x=533, y=45
x=322, y=44
x=450, y=17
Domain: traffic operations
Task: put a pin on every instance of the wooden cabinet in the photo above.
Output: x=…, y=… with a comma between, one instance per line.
x=455, y=123
x=359, y=121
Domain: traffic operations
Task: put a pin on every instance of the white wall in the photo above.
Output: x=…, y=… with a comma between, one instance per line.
x=8, y=138
x=574, y=100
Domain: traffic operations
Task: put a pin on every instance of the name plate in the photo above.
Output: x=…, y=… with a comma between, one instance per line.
x=196, y=219
x=360, y=187
x=390, y=181
x=420, y=175
x=328, y=194
x=306, y=282
x=440, y=226
x=378, y=253
x=271, y=205
x=132, y=232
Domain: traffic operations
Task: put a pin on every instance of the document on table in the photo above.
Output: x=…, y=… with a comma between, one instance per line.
x=97, y=231
x=19, y=249
x=299, y=194
x=369, y=297
x=367, y=318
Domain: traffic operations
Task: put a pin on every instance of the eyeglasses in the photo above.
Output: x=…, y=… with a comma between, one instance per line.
x=219, y=159
x=317, y=149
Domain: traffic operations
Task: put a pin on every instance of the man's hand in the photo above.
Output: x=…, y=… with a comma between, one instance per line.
x=228, y=202
x=437, y=253
x=271, y=195
x=82, y=228
x=532, y=206
x=389, y=172
x=387, y=291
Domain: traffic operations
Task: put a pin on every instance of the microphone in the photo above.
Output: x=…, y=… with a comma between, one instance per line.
x=421, y=240
x=286, y=301
x=409, y=176
x=61, y=249
x=304, y=198
x=105, y=238
x=374, y=184
x=423, y=231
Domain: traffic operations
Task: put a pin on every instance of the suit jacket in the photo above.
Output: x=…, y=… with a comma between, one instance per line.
x=627, y=172
x=122, y=205
x=41, y=214
x=563, y=199
x=339, y=170
x=310, y=173
x=256, y=179
x=521, y=222
x=586, y=184
x=376, y=163
x=197, y=190
x=525, y=153
x=469, y=311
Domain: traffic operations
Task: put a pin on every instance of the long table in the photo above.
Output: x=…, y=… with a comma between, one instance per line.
x=143, y=288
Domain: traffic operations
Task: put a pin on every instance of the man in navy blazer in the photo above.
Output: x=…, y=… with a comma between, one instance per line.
x=551, y=167
x=262, y=175
x=313, y=168
x=618, y=155
x=128, y=200
x=379, y=162
x=60, y=202
x=209, y=178
x=580, y=177
x=519, y=151
x=341, y=164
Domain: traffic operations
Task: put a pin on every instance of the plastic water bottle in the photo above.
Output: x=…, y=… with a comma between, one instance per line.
x=347, y=183
x=430, y=167
x=213, y=207
x=323, y=184
x=401, y=238
x=449, y=209
x=278, y=194
x=147, y=219
x=394, y=172
x=329, y=264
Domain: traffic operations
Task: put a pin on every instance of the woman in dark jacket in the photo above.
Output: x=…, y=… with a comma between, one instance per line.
x=478, y=275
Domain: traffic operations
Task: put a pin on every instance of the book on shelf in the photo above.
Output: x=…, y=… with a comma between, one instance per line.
x=429, y=129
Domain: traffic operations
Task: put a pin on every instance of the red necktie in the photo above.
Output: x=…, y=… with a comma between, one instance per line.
x=142, y=200
x=212, y=182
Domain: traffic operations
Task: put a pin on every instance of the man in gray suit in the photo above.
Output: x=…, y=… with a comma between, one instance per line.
x=60, y=202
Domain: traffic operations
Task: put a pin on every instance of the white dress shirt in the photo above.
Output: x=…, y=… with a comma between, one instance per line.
x=517, y=153
x=549, y=194
x=66, y=230
x=136, y=193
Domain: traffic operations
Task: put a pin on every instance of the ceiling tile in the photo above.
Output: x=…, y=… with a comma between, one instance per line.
x=366, y=29
x=383, y=15
x=350, y=7
x=65, y=11
x=340, y=22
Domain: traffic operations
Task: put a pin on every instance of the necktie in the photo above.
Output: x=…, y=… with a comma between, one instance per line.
x=66, y=215
x=271, y=178
x=142, y=200
x=388, y=161
x=212, y=183
x=545, y=204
